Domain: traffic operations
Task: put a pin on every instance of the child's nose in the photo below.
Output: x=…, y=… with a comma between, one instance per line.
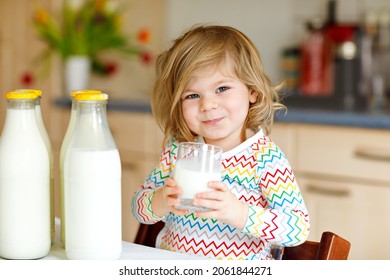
x=208, y=103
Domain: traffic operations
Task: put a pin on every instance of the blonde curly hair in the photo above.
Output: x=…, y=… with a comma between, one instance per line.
x=200, y=47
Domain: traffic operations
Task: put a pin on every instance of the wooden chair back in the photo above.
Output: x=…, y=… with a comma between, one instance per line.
x=330, y=247
x=147, y=234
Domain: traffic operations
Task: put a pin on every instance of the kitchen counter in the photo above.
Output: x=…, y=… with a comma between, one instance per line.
x=322, y=115
x=379, y=120
x=332, y=110
x=114, y=105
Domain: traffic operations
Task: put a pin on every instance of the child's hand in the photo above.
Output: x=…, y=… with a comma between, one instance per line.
x=166, y=199
x=224, y=205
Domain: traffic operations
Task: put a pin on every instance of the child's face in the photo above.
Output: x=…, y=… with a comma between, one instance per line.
x=215, y=105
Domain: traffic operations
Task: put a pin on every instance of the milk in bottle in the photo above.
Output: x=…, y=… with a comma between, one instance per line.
x=24, y=182
x=92, y=184
x=64, y=147
x=49, y=148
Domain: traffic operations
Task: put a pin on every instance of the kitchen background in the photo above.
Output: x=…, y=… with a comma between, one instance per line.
x=335, y=134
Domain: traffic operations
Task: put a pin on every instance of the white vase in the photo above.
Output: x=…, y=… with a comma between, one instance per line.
x=77, y=73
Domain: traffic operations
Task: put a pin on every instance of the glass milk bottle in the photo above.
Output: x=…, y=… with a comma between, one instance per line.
x=49, y=148
x=92, y=184
x=24, y=181
x=64, y=146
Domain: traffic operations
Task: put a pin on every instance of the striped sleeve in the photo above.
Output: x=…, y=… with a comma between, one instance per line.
x=141, y=201
x=285, y=220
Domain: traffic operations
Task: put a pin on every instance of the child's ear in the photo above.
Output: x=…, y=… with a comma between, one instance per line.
x=253, y=96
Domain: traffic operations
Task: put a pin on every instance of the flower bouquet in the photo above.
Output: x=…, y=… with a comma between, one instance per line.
x=89, y=28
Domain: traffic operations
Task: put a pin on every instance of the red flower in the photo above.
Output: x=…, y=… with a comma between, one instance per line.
x=110, y=68
x=27, y=79
x=146, y=57
x=144, y=35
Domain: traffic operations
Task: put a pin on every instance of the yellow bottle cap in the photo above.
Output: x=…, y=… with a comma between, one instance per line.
x=88, y=96
x=23, y=90
x=23, y=94
x=85, y=91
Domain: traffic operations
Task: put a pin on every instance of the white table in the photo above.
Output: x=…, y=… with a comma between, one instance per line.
x=130, y=251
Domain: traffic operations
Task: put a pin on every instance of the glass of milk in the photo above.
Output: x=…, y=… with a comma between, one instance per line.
x=196, y=165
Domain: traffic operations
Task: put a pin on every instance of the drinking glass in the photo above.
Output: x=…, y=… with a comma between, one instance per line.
x=196, y=165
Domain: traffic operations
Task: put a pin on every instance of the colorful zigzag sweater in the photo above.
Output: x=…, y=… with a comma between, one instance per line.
x=258, y=173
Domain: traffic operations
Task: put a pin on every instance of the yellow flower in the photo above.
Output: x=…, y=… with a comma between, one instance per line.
x=41, y=17
x=100, y=5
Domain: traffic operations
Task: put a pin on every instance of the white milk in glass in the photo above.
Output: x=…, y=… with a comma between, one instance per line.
x=24, y=186
x=191, y=180
x=196, y=165
x=93, y=204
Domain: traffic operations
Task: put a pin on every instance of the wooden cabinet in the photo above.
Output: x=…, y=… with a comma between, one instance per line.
x=355, y=153
x=344, y=178
x=357, y=211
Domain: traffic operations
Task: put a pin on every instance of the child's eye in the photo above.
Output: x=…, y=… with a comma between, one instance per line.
x=222, y=89
x=191, y=96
